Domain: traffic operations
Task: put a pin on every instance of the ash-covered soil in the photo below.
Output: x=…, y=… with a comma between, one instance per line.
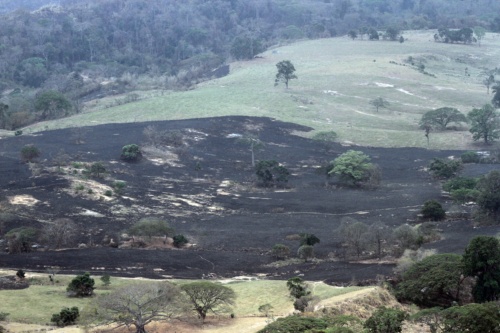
x=206, y=191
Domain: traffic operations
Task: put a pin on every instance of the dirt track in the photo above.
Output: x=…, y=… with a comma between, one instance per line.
x=232, y=223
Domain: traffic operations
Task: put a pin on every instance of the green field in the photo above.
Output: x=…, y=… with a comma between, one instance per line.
x=36, y=304
x=337, y=78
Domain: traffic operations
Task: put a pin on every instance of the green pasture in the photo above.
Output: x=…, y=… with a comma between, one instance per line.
x=337, y=77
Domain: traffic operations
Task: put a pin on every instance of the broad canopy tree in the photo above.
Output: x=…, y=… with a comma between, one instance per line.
x=353, y=167
x=286, y=72
x=484, y=123
x=441, y=118
x=209, y=297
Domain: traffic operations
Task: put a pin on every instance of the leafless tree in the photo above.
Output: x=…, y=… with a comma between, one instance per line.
x=60, y=232
x=137, y=305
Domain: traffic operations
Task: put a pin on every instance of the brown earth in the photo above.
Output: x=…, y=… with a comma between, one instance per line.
x=231, y=223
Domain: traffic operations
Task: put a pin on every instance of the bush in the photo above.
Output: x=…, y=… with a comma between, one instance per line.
x=97, y=169
x=20, y=274
x=354, y=168
x=3, y=316
x=21, y=239
x=106, y=280
x=150, y=227
x=308, y=239
x=445, y=169
x=66, y=317
x=472, y=318
x=433, y=210
x=29, y=153
x=180, y=240
x=294, y=324
x=81, y=286
x=131, y=153
x=280, y=251
x=460, y=183
x=271, y=173
x=465, y=195
x=386, y=320
x=470, y=157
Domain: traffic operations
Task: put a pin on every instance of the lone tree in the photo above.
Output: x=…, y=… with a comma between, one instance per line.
x=253, y=144
x=285, y=73
x=484, y=123
x=305, y=252
x=52, y=104
x=81, y=286
x=488, y=200
x=131, y=153
x=354, y=167
x=30, y=153
x=297, y=287
x=482, y=261
x=326, y=139
x=60, y=232
x=280, y=251
x=488, y=81
x=138, y=305
x=209, y=297
x=271, y=173
x=352, y=34
x=441, y=118
x=150, y=227
x=379, y=102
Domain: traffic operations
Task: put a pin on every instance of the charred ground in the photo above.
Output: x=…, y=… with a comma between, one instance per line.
x=206, y=191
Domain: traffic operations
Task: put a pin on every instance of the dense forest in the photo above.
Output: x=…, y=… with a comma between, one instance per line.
x=71, y=46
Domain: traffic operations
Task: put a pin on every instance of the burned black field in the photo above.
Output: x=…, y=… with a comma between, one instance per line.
x=206, y=191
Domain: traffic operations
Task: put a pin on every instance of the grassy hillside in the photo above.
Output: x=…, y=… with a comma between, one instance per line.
x=336, y=80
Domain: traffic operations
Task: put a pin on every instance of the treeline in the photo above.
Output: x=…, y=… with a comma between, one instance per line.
x=73, y=47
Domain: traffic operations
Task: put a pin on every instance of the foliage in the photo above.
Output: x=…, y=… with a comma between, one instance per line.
x=209, y=297
x=470, y=157
x=280, y=251
x=20, y=274
x=442, y=117
x=379, y=102
x=253, y=142
x=180, y=240
x=106, y=280
x=131, y=153
x=303, y=303
x=159, y=138
x=462, y=189
x=245, y=47
x=464, y=195
x=97, y=169
x=271, y=173
x=496, y=96
x=353, y=34
x=441, y=168
x=392, y=33
x=353, y=233
x=149, y=227
x=81, y=286
x=138, y=305
x=325, y=139
x=386, y=320
x=305, y=252
x=265, y=309
x=433, y=211
x=21, y=239
x=308, y=239
x=52, y=105
x=484, y=123
x=294, y=324
x=353, y=167
x=66, y=317
x=3, y=316
x=406, y=237
x=297, y=287
x=434, y=281
x=377, y=237
x=481, y=259
x=464, y=35
x=29, y=153
x=59, y=232
x=285, y=73
x=472, y=318
x=488, y=200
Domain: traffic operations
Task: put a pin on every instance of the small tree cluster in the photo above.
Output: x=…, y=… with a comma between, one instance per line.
x=66, y=317
x=444, y=169
x=271, y=173
x=354, y=168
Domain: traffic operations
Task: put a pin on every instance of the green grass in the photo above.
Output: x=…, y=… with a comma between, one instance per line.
x=355, y=70
x=36, y=304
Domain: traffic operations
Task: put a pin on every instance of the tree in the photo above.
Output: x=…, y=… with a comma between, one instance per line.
x=138, y=305
x=377, y=236
x=60, y=232
x=472, y=318
x=481, y=260
x=479, y=32
x=353, y=233
x=81, y=286
x=150, y=227
x=266, y=309
x=131, y=153
x=66, y=317
x=106, y=280
x=285, y=73
x=21, y=239
x=405, y=236
x=379, y=102
x=392, y=33
x=97, y=169
x=444, y=168
x=488, y=200
x=353, y=167
x=295, y=324
x=209, y=297
x=305, y=252
x=484, y=123
x=61, y=159
x=180, y=240
x=433, y=211
x=352, y=34
x=488, y=81
x=245, y=47
x=308, y=239
x=386, y=320
x=496, y=97
x=297, y=287
x=434, y=281
x=52, y=104
x=29, y=153
x=373, y=34
x=253, y=143
x=280, y=251
x=271, y=173
x=442, y=117
x=326, y=139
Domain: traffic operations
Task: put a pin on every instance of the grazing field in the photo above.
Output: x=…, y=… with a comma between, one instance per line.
x=337, y=78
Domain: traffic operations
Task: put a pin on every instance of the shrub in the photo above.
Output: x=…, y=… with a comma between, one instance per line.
x=308, y=239
x=460, y=183
x=433, y=210
x=81, y=286
x=180, y=240
x=3, y=316
x=108, y=193
x=18, y=133
x=472, y=318
x=386, y=320
x=445, y=169
x=271, y=173
x=29, y=153
x=150, y=227
x=119, y=186
x=465, y=195
x=354, y=168
x=20, y=274
x=305, y=252
x=470, y=157
x=131, y=153
x=66, y=317
x=97, y=169
x=280, y=251
x=21, y=239
x=106, y=280
x=294, y=324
